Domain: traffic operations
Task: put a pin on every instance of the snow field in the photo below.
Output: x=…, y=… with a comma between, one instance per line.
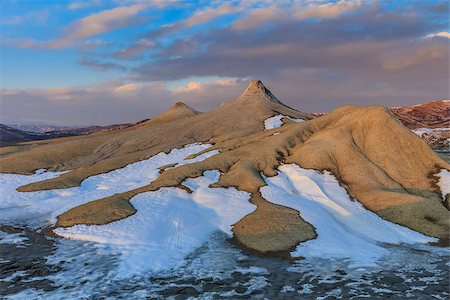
x=345, y=229
x=40, y=209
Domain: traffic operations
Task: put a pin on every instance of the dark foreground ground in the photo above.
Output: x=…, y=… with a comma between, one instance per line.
x=36, y=266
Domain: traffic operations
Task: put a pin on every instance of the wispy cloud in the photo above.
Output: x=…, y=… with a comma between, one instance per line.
x=197, y=18
x=420, y=54
x=39, y=17
x=84, y=4
x=98, y=23
x=77, y=32
x=442, y=34
x=101, y=66
x=327, y=10
x=258, y=16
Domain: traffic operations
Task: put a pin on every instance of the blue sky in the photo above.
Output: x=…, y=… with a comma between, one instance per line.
x=63, y=61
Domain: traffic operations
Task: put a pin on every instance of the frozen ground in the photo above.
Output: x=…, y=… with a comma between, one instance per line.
x=275, y=121
x=176, y=244
x=345, y=229
x=217, y=270
x=39, y=209
x=169, y=224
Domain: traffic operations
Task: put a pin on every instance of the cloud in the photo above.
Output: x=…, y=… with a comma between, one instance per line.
x=442, y=34
x=98, y=23
x=208, y=14
x=125, y=89
x=39, y=17
x=277, y=12
x=191, y=86
x=106, y=103
x=110, y=102
x=257, y=17
x=198, y=18
x=327, y=10
x=314, y=57
x=84, y=4
x=11, y=20
x=101, y=66
x=418, y=55
x=374, y=54
x=84, y=28
x=142, y=45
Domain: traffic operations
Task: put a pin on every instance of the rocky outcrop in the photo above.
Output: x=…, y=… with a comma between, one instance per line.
x=434, y=114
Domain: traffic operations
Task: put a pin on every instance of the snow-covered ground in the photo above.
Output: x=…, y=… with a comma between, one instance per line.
x=430, y=131
x=275, y=121
x=444, y=182
x=345, y=229
x=39, y=209
x=169, y=224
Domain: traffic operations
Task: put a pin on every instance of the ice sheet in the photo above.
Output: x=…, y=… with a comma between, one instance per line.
x=169, y=224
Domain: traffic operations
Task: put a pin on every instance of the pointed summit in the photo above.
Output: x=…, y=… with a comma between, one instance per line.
x=177, y=111
x=257, y=90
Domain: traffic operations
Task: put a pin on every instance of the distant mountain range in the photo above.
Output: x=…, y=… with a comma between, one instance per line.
x=430, y=115
x=13, y=133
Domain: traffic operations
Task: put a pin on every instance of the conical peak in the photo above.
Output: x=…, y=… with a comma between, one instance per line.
x=256, y=88
x=255, y=84
x=180, y=105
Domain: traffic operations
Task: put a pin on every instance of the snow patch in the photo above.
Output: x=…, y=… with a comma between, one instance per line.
x=275, y=121
x=169, y=224
x=345, y=229
x=444, y=182
x=12, y=238
x=252, y=270
x=434, y=132
x=38, y=209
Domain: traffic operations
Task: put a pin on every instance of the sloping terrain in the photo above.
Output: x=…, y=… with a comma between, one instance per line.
x=381, y=163
x=430, y=121
x=9, y=135
x=12, y=136
x=434, y=114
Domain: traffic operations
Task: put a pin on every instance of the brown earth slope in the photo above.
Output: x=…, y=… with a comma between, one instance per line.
x=378, y=160
x=433, y=114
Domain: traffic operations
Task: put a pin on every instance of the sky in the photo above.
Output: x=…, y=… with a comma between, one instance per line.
x=114, y=61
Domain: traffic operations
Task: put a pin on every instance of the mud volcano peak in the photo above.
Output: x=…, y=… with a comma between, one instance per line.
x=256, y=91
x=177, y=111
